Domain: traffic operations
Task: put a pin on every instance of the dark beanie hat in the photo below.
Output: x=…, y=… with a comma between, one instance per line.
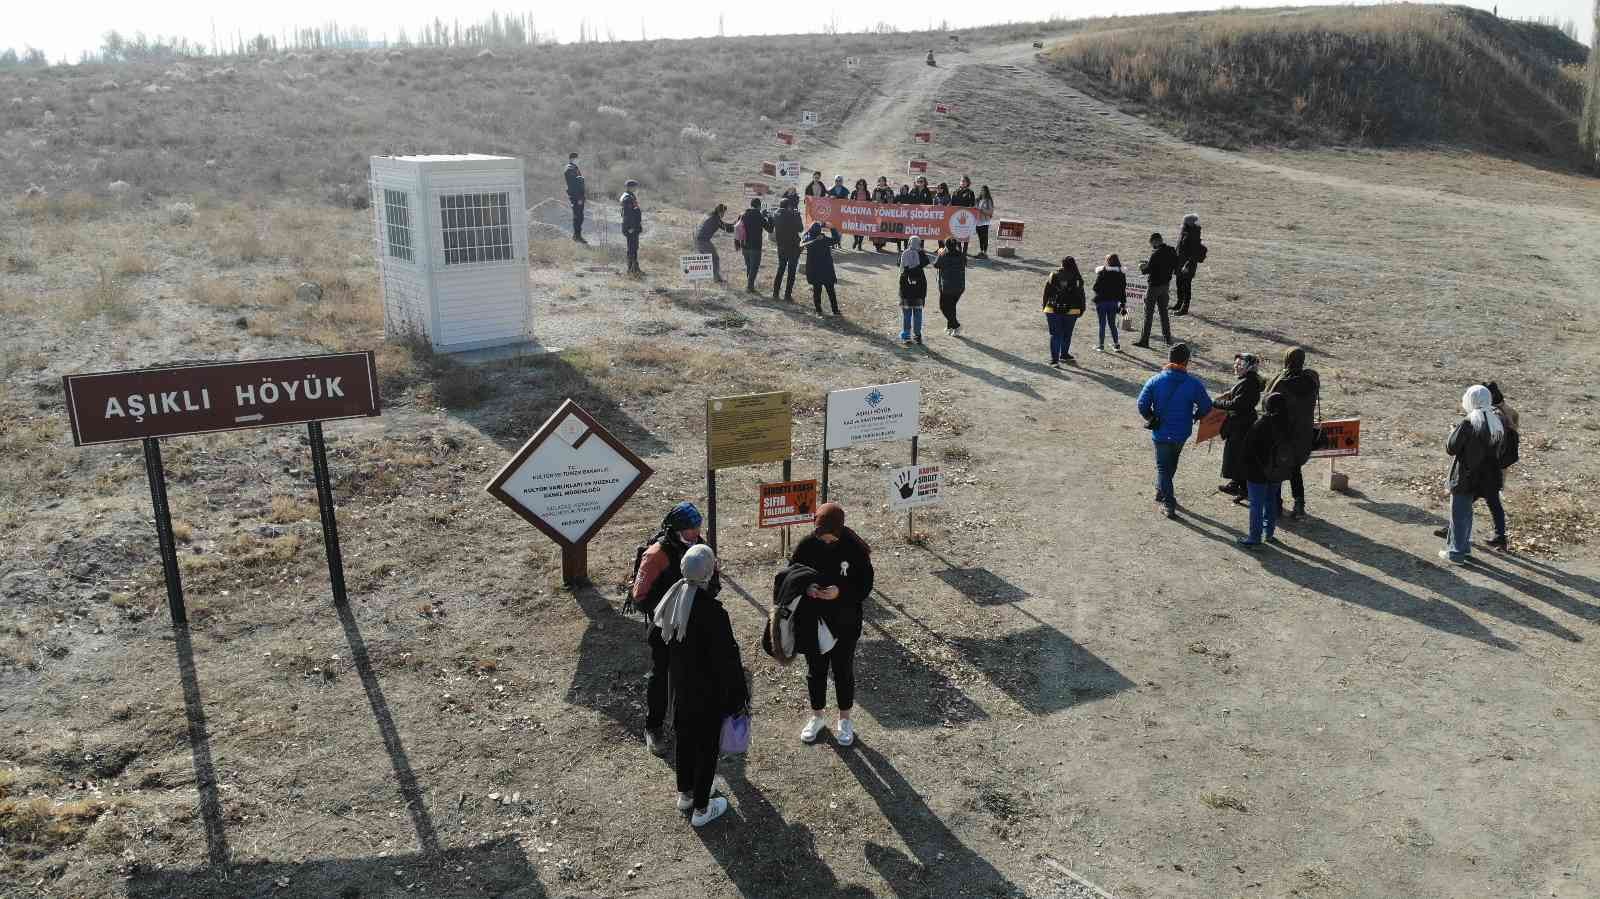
x=1155, y=235
x=755, y=202
x=1179, y=354
x=572, y=156
x=1495, y=396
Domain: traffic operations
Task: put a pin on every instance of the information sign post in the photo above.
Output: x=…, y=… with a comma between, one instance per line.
x=863, y=415
x=754, y=429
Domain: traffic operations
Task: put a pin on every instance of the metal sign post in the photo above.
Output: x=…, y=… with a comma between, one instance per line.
x=330, y=526
x=169, y=551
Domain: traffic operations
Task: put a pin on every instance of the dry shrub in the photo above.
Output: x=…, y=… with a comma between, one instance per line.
x=133, y=264
x=287, y=509
x=240, y=244
x=460, y=386
x=220, y=293
x=109, y=297
x=20, y=263
x=68, y=208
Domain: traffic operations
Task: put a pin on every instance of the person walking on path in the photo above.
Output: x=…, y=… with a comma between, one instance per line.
x=1239, y=402
x=952, y=266
x=883, y=193
x=708, y=230
x=754, y=223
x=913, y=291
x=819, y=267
x=1268, y=458
x=661, y=566
x=1302, y=387
x=843, y=563
x=632, y=224
x=1475, y=443
x=966, y=198
x=860, y=192
x=985, y=207
x=576, y=194
x=1170, y=403
x=1191, y=252
x=709, y=680
x=1110, y=298
x=786, y=228
x=1063, y=306
x=1158, y=270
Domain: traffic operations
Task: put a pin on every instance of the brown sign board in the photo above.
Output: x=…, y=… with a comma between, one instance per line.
x=747, y=430
x=570, y=478
x=112, y=406
x=1210, y=426
x=1337, y=438
x=787, y=502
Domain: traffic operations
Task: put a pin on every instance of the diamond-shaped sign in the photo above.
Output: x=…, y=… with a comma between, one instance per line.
x=569, y=487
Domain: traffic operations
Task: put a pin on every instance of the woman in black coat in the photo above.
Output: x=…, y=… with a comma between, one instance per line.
x=1475, y=472
x=843, y=563
x=707, y=680
x=1110, y=297
x=1240, y=404
x=819, y=266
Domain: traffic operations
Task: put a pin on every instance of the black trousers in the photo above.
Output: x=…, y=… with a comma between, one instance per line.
x=633, y=252
x=833, y=298
x=842, y=661
x=1185, y=282
x=787, y=262
x=947, y=305
x=699, y=745
x=577, y=218
x=1297, y=487
x=752, y=264
x=656, y=686
x=1155, y=300
x=983, y=239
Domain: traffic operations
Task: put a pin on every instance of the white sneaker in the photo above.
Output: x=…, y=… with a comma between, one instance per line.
x=685, y=801
x=808, y=734
x=956, y=333
x=847, y=732
x=714, y=810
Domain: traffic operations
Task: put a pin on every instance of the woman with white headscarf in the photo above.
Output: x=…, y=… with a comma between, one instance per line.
x=707, y=680
x=1475, y=474
x=913, y=291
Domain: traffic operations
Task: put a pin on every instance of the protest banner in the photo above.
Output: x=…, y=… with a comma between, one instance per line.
x=893, y=221
x=787, y=503
x=696, y=266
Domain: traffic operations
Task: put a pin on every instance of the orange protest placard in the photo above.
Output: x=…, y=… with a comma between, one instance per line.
x=787, y=502
x=893, y=220
x=1210, y=426
x=1337, y=438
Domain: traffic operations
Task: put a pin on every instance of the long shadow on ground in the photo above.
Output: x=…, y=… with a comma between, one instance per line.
x=940, y=865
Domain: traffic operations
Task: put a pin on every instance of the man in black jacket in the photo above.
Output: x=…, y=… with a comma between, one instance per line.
x=786, y=228
x=755, y=222
x=1162, y=263
x=659, y=568
x=575, y=195
x=632, y=224
x=1302, y=387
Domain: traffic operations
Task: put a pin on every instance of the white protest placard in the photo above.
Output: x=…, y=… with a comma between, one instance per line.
x=851, y=63
x=789, y=171
x=1135, y=292
x=915, y=486
x=696, y=266
x=870, y=414
x=570, y=477
x=808, y=119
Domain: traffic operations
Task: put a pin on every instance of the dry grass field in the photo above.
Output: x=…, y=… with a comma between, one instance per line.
x=1063, y=695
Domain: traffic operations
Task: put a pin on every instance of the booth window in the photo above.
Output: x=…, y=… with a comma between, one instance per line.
x=476, y=227
x=397, y=224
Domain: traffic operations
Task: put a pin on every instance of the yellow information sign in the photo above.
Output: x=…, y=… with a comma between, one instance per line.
x=747, y=430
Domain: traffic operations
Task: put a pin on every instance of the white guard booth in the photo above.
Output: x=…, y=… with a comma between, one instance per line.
x=452, y=242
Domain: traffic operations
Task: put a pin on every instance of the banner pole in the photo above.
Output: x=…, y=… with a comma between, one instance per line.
x=169, y=551
x=711, y=508
x=910, y=513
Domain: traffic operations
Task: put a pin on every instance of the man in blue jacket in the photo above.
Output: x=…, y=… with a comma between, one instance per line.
x=1170, y=403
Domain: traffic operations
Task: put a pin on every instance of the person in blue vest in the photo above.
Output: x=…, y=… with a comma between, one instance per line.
x=1170, y=403
x=632, y=224
x=575, y=195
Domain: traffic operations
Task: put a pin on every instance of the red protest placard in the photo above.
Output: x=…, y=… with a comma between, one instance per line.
x=917, y=165
x=786, y=137
x=922, y=137
x=942, y=108
x=769, y=168
x=1337, y=438
x=786, y=503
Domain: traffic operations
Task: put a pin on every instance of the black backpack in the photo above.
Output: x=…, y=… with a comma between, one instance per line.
x=1510, y=447
x=628, y=606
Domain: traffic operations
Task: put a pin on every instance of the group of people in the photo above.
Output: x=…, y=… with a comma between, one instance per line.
x=1261, y=448
x=694, y=655
x=917, y=192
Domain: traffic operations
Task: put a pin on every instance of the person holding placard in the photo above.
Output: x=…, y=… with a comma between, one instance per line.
x=1240, y=403
x=708, y=680
x=883, y=193
x=832, y=611
x=964, y=197
x=864, y=194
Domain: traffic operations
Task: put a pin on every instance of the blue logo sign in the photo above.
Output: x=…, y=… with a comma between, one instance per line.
x=874, y=398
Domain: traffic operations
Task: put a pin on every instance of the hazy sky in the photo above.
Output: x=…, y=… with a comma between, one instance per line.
x=63, y=30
